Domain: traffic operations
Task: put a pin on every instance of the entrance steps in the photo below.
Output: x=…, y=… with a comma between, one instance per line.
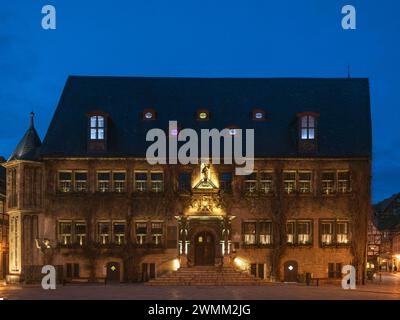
x=206, y=276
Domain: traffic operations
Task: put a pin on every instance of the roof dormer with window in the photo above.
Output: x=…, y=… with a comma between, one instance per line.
x=97, y=131
x=307, y=132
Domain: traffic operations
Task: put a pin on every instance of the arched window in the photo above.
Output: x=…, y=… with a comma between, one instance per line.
x=96, y=127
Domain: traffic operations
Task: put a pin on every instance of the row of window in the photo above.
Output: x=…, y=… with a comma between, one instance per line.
x=299, y=182
x=109, y=181
x=299, y=232
x=257, y=182
x=307, y=122
x=75, y=232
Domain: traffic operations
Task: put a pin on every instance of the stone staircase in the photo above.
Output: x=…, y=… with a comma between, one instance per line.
x=206, y=276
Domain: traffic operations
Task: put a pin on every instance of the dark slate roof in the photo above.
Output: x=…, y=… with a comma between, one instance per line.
x=29, y=146
x=387, y=214
x=343, y=104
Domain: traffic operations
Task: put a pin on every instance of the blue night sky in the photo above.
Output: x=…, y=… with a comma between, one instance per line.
x=205, y=38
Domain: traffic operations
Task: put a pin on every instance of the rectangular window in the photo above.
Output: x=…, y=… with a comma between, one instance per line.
x=249, y=232
x=141, y=232
x=80, y=233
x=104, y=232
x=250, y=183
x=343, y=181
x=326, y=233
x=156, y=232
x=334, y=270
x=328, y=182
x=289, y=181
x=290, y=232
x=266, y=182
x=157, y=181
x=342, y=231
x=119, y=232
x=80, y=181
x=225, y=181
x=103, y=181
x=305, y=181
x=184, y=182
x=65, y=181
x=141, y=181
x=119, y=181
x=265, y=233
x=304, y=232
x=307, y=127
x=65, y=232
x=97, y=128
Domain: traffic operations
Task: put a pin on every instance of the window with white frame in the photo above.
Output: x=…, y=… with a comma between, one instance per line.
x=119, y=232
x=103, y=181
x=326, y=232
x=342, y=232
x=65, y=181
x=250, y=183
x=140, y=181
x=141, y=232
x=289, y=181
x=96, y=128
x=119, y=181
x=328, y=182
x=80, y=181
x=156, y=232
x=80, y=232
x=265, y=232
x=157, y=181
x=304, y=232
x=343, y=181
x=266, y=182
x=307, y=127
x=305, y=181
x=104, y=232
x=65, y=232
x=249, y=232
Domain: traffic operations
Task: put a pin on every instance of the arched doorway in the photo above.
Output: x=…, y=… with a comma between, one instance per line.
x=204, y=249
x=290, y=271
x=113, y=272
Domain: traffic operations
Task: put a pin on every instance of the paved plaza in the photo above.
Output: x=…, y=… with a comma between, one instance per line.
x=388, y=288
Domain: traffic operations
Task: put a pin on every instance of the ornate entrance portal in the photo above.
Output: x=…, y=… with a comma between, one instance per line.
x=204, y=251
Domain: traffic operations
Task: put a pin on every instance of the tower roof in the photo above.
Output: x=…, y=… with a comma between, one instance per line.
x=28, y=147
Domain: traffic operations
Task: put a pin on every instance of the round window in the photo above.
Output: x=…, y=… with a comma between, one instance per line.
x=148, y=115
x=203, y=115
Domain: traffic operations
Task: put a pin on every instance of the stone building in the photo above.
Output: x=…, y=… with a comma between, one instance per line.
x=3, y=224
x=386, y=218
x=87, y=201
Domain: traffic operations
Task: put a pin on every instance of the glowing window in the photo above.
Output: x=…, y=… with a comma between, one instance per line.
x=96, y=128
x=149, y=114
x=258, y=115
x=203, y=114
x=307, y=127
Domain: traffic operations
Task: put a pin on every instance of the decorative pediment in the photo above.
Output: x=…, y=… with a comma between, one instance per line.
x=205, y=183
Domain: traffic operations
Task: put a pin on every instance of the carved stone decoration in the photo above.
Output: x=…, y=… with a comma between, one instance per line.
x=206, y=203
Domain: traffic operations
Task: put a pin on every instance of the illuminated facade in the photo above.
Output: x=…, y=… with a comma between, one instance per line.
x=3, y=225
x=88, y=202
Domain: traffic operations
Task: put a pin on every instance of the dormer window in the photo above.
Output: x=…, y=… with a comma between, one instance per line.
x=232, y=130
x=307, y=127
x=203, y=115
x=149, y=114
x=307, y=132
x=97, y=131
x=97, y=127
x=258, y=115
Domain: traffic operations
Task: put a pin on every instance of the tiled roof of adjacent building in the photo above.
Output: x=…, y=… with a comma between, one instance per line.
x=29, y=146
x=343, y=105
x=387, y=213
